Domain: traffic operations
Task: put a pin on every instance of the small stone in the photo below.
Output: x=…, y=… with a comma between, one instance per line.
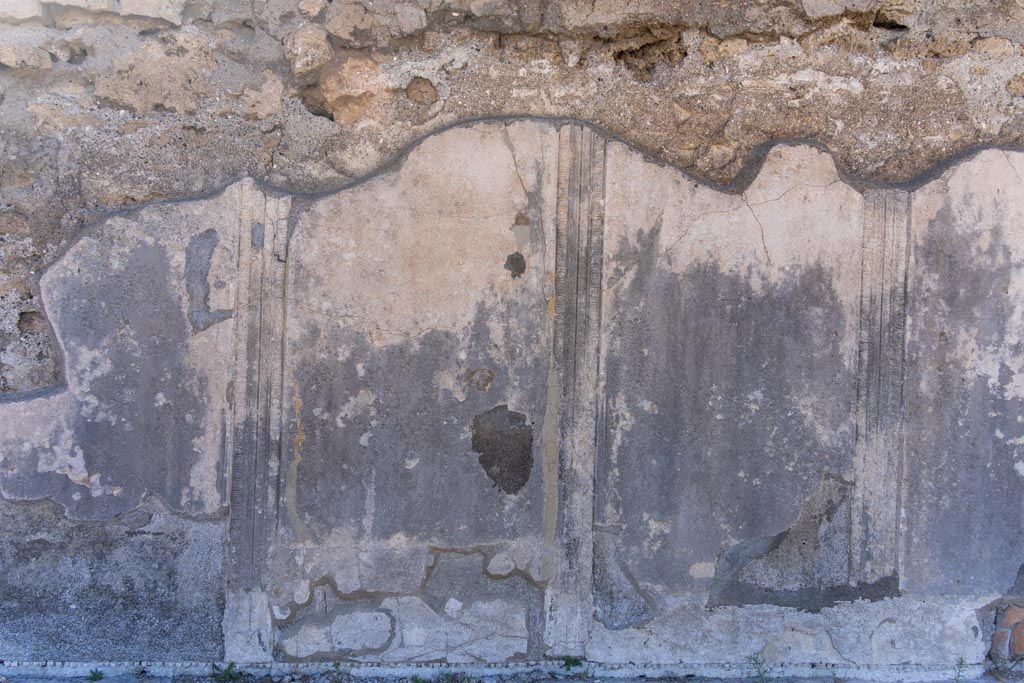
x=720, y=154
x=1015, y=86
x=452, y=607
x=893, y=15
x=457, y=63
x=168, y=10
x=301, y=593
x=818, y=9
x=90, y=5
x=709, y=49
x=1017, y=640
x=1014, y=615
x=307, y=49
x=22, y=56
x=489, y=8
x=349, y=88
x=995, y=46
x=265, y=102
x=69, y=49
x=235, y=12
x=732, y=46
x=714, y=50
x=312, y=8
x=571, y=51
x=351, y=22
x=1001, y=644
x=170, y=75
x=501, y=565
x=421, y=90
x=410, y=19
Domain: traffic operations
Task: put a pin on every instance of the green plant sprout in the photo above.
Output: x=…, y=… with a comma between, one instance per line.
x=762, y=671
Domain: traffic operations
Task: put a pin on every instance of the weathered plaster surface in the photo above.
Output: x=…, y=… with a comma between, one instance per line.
x=143, y=585
x=529, y=393
x=965, y=378
x=144, y=317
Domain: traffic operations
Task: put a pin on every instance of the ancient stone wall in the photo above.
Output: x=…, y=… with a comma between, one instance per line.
x=489, y=333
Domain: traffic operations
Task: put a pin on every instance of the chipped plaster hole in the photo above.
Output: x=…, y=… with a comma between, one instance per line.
x=480, y=378
x=421, y=91
x=515, y=264
x=31, y=321
x=504, y=441
x=887, y=20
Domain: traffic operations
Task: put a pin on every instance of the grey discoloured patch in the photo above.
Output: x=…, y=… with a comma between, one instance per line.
x=504, y=441
x=257, y=235
x=515, y=264
x=198, y=256
x=961, y=422
x=804, y=567
x=377, y=408
x=726, y=404
x=144, y=410
x=378, y=423
x=149, y=360
x=145, y=585
x=618, y=601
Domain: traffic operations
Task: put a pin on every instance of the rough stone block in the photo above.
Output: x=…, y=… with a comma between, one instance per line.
x=307, y=49
x=1017, y=641
x=168, y=10
x=90, y=5
x=20, y=10
x=1013, y=615
x=1000, y=651
x=16, y=55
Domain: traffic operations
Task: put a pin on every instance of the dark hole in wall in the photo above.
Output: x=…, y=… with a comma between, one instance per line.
x=515, y=264
x=504, y=441
x=643, y=59
x=888, y=22
x=31, y=321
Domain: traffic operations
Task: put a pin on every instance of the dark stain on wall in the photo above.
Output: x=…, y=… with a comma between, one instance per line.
x=504, y=441
x=962, y=425
x=408, y=436
x=516, y=264
x=198, y=257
